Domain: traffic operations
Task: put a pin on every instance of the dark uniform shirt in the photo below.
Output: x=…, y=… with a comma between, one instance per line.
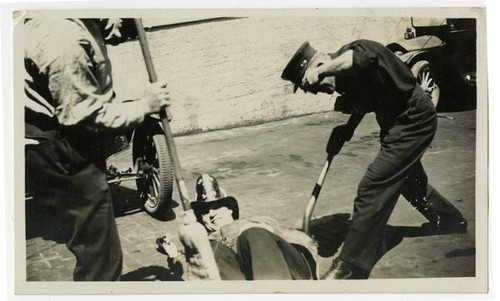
x=378, y=81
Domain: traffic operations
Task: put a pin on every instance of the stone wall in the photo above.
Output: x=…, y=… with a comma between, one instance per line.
x=227, y=74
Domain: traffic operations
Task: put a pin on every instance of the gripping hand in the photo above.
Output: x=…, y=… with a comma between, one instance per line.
x=338, y=137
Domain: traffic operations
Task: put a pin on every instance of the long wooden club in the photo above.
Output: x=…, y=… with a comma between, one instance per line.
x=199, y=255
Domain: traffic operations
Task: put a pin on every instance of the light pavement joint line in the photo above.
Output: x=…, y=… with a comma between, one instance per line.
x=46, y=259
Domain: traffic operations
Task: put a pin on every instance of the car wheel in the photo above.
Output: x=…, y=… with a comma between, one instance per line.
x=422, y=70
x=150, y=152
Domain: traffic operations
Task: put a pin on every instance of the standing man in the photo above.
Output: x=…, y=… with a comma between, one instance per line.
x=70, y=109
x=370, y=78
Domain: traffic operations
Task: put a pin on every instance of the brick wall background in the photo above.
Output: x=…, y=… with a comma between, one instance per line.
x=227, y=74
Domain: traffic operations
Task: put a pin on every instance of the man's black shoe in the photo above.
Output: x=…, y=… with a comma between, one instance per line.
x=343, y=270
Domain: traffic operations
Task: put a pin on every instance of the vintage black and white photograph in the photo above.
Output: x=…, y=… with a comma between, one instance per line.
x=296, y=151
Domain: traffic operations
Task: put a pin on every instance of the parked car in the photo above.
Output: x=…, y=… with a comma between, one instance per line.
x=441, y=53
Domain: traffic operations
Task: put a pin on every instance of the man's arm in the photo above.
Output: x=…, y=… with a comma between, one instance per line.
x=334, y=66
x=342, y=133
x=121, y=115
x=82, y=98
x=330, y=67
x=353, y=122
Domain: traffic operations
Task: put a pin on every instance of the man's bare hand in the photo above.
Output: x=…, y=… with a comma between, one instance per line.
x=156, y=96
x=311, y=77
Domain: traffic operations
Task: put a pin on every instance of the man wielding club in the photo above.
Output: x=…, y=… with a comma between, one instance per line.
x=370, y=78
x=70, y=110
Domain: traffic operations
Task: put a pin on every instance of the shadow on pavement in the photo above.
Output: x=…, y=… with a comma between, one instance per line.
x=152, y=273
x=330, y=232
x=126, y=202
x=461, y=253
x=168, y=215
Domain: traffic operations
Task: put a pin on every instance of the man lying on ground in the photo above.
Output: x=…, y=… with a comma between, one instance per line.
x=250, y=248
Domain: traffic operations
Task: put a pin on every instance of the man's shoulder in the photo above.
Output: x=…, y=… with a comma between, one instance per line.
x=366, y=43
x=54, y=26
x=49, y=39
x=57, y=31
x=354, y=45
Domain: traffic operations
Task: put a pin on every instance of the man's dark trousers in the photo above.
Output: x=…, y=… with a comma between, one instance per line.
x=59, y=177
x=395, y=170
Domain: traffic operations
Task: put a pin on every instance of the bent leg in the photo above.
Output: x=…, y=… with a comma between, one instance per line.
x=427, y=200
x=372, y=208
x=264, y=255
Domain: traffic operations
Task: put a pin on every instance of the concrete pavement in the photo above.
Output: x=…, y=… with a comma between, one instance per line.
x=271, y=169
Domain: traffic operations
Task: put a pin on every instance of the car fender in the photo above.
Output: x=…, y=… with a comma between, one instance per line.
x=414, y=54
x=411, y=57
x=416, y=44
x=408, y=50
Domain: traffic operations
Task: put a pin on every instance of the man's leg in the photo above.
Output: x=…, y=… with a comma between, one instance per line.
x=372, y=208
x=264, y=255
x=431, y=204
x=60, y=178
x=95, y=241
x=402, y=145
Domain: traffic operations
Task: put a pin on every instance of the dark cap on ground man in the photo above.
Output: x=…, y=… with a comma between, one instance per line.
x=296, y=67
x=204, y=207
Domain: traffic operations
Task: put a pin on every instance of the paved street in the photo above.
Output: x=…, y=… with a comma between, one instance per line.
x=271, y=169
